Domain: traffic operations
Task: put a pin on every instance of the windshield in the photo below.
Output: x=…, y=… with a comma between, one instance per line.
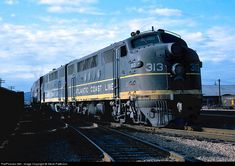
x=144, y=40
x=168, y=38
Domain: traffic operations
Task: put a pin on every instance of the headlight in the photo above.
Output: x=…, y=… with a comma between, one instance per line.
x=175, y=49
x=178, y=69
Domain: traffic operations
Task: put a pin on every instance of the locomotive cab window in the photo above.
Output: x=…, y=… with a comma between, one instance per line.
x=87, y=64
x=53, y=76
x=123, y=51
x=168, y=38
x=62, y=72
x=108, y=56
x=144, y=40
x=71, y=69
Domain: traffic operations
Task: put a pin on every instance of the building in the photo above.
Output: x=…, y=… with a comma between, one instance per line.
x=211, y=95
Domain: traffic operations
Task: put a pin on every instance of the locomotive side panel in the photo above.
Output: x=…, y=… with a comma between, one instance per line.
x=87, y=82
x=35, y=92
x=150, y=75
x=54, y=86
x=71, y=81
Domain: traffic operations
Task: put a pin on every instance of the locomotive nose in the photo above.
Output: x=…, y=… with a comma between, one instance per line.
x=175, y=49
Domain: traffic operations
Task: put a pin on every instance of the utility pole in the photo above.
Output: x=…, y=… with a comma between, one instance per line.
x=219, y=93
x=1, y=81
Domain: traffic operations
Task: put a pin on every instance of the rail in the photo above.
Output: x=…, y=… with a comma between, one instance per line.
x=173, y=155
x=106, y=156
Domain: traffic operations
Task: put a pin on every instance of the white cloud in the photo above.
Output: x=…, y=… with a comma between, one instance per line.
x=194, y=36
x=29, y=51
x=11, y=2
x=72, y=6
x=220, y=44
x=66, y=2
x=166, y=12
x=159, y=23
x=34, y=48
x=215, y=44
x=221, y=37
x=156, y=11
x=32, y=51
x=82, y=10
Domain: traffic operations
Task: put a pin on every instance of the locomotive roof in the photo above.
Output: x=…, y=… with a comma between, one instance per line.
x=122, y=41
x=53, y=70
x=137, y=34
x=119, y=43
x=97, y=52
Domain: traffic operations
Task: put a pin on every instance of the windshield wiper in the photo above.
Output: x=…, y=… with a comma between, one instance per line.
x=144, y=40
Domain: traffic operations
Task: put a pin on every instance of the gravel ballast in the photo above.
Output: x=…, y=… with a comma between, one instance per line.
x=200, y=149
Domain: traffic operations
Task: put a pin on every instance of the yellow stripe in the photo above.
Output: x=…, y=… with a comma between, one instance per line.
x=133, y=75
x=145, y=74
x=193, y=74
x=101, y=96
x=53, y=100
x=93, y=82
x=128, y=76
x=151, y=94
x=107, y=96
x=123, y=77
x=125, y=95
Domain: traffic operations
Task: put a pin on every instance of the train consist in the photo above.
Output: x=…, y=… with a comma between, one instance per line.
x=152, y=78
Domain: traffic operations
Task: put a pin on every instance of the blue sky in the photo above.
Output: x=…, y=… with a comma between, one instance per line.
x=39, y=35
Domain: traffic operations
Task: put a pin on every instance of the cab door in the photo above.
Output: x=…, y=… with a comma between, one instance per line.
x=73, y=88
x=59, y=91
x=116, y=73
x=120, y=69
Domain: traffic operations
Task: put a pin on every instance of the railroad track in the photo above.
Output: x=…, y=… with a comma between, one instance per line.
x=217, y=119
x=85, y=148
x=82, y=147
x=117, y=146
x=105, y=142
x=219, y=135
x=47, y=132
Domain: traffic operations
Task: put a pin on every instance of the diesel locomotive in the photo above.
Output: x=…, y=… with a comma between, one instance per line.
x=152, y=78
